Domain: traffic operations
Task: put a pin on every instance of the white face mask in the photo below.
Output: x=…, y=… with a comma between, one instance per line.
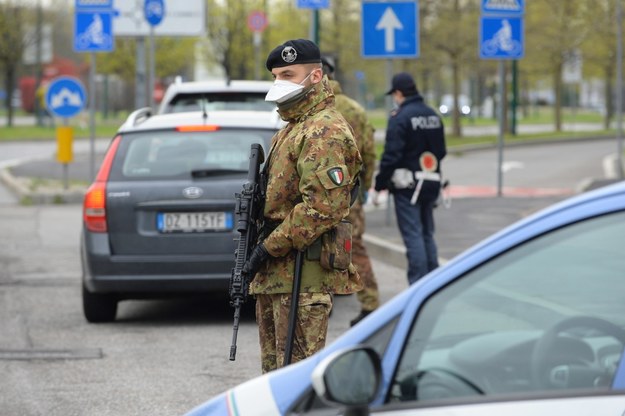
x=282, y=90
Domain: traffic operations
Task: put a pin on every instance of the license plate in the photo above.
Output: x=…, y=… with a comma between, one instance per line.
x=188, y=222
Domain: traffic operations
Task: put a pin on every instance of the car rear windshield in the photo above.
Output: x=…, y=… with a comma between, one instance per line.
x=174, y=154
x=230, y=101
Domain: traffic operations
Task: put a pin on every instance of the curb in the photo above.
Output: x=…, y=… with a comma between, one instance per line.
x=27, y=196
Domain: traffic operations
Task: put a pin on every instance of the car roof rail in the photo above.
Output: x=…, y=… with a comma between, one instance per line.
x=139, y=116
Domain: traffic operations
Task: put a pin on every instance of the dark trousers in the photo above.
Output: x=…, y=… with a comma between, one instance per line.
x=416, y=224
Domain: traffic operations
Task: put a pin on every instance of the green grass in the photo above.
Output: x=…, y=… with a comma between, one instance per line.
x=47, y=131
x=534, y=115
x=455, y=144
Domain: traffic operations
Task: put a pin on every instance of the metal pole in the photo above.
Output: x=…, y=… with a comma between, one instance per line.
x=314, y=26
x=140, y=98
x=515, y=99
x=38, y=105
x=92, y=88
x=619, y=88
x=500, y=114
x=257, y=42
x=152, y=69
x=65, y=168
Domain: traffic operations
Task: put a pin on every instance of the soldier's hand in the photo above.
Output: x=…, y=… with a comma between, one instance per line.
x=257, y=258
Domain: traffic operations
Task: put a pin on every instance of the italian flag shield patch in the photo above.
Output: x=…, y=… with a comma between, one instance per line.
x=336, y=176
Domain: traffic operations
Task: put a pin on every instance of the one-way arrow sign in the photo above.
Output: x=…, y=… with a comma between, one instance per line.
x=390, y=29
x=389, y=23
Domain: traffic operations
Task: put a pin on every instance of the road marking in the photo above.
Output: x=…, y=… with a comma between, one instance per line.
x=512, y=164
x=477, y=191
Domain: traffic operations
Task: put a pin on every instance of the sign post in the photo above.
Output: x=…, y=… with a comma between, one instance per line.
x=154, y=11
x=314, y=6
x=93, y=32
x=65, y=98
x=501, y=37
x=390, y=30
x=257, y=23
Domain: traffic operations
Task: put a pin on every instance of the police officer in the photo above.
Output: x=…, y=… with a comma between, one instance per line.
x=356, y=116
x=311, y=169
x=410, y=170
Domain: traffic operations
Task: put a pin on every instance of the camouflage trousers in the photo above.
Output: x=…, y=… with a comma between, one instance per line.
x=369, y=296
x=272, y=316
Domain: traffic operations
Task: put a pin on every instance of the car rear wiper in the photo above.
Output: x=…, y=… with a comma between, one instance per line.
x=204, y=173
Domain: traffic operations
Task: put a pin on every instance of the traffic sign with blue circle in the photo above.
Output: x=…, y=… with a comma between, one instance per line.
x=154, y=11
x=65, y=97
x=390, y=29
x=93, y=31
x=501, y=37
x=504, y=7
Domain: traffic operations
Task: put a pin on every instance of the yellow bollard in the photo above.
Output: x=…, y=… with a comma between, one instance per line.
x=64, y=140
x=64, y=153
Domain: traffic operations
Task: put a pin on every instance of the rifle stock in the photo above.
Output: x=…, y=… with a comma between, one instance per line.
x=247, y=209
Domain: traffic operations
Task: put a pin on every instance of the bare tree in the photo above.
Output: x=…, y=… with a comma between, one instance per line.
x=13, y=41
x=453, y=32
x=555, y=30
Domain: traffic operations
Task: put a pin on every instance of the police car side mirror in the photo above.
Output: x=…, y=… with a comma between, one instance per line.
x=349, y=378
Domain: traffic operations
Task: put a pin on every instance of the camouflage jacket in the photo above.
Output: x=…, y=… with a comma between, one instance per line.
x=356, y=117
x=311, y=168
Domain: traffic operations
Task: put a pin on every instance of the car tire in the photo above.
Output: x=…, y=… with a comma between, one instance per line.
x=98, y=307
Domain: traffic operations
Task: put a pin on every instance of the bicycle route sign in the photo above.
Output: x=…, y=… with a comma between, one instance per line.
x=501, y=37
x=507, y=7
x=93, y=26
x=154, y=11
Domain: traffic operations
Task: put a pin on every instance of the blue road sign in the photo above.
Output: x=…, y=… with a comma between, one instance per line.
x=313, y=4
x=501, y=37
x=93, y=30
x=504, y=7
x=154, y=11
x=65, y=97
x=390, y=29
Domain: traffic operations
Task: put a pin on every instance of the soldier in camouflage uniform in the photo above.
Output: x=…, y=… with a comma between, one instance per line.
x=310, y=169
x=356, y=116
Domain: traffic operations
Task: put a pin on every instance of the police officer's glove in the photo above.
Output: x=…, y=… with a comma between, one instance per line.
x=257, y=258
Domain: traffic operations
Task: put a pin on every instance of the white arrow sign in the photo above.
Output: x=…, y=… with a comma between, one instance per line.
x=389, y=23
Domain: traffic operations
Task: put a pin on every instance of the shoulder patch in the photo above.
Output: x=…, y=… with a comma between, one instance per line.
x=336, y=176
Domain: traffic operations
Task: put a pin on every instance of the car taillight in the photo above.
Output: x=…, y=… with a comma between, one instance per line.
x=205, y=127
x=94, y=204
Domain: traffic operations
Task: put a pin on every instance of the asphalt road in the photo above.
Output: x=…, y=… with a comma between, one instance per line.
x=165, y=357
x=159, y=358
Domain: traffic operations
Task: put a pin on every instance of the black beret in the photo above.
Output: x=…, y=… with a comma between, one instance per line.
x=294, y=52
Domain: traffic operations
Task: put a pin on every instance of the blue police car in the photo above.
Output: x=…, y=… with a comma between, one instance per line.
x=529, y=321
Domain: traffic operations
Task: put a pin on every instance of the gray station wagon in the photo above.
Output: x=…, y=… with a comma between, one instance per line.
x=159, y=218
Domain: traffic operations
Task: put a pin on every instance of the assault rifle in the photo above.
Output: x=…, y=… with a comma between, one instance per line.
x=247, y=208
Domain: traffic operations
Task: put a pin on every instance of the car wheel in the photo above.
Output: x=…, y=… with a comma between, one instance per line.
x=98, y=307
